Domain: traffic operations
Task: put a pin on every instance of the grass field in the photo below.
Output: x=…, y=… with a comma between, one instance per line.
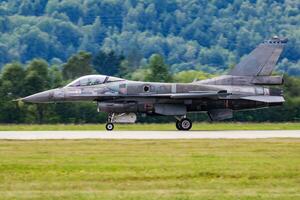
x=163, y=127
x=174, y=169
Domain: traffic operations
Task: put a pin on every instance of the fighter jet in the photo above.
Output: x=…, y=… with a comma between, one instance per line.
x=246, y=86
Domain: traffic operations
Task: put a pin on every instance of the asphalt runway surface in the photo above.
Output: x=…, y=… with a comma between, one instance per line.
x=43, y=135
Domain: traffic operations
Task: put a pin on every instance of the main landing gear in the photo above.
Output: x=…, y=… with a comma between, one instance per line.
x=184, y=124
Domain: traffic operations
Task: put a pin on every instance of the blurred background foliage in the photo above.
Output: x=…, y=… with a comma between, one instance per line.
x=189, y=34
x=44, y=44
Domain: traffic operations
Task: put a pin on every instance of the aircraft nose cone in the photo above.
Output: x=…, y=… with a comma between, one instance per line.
x=41, y=97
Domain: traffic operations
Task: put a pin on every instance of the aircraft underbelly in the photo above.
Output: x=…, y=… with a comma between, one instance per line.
x=170, y=109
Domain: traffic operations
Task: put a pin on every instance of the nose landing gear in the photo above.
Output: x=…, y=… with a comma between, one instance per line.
x=184, y=124
x=121, y=118
x=109, y=125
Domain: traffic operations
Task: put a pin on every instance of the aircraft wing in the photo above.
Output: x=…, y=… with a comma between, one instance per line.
x=198, y=95
x=265, y=99
x=188, y=95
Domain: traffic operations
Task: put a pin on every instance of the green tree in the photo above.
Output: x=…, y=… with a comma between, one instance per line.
x=40, y=66
x=12, y=77
x=11, y=87
x=37, y=80
x=35, y=43
x=78, y=65
x=98, y=31
x=139, y=74
x=107, y=63
x=191, y=75
x=67, y=34
x=4, y=54
x=55, y=77
x=158, y=70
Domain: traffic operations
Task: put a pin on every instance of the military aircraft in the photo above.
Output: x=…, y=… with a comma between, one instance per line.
x=243, y=88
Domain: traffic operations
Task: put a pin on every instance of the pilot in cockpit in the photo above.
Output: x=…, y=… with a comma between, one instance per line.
x=91, y=80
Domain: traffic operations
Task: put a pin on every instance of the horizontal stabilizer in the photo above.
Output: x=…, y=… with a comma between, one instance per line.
x=244, y=80
x=265, y=99
x=268, y=80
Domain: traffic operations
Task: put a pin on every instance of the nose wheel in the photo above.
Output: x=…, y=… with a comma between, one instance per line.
x=184, y=124
x=109, y=126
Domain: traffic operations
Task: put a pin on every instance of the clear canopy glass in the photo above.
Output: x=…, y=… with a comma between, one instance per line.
x=90, y=80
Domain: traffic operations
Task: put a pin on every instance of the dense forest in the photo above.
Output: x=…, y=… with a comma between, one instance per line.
x=190, y=34
x=45, y=44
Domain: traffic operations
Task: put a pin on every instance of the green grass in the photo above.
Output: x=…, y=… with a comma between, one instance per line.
x=168, y=169
x=164, y=127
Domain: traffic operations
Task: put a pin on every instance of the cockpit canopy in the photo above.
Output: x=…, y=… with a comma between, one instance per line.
x=90, y=80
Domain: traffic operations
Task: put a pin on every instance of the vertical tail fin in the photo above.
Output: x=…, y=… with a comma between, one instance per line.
x=262, y=60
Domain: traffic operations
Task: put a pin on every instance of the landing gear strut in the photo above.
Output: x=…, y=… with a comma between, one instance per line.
x=184, y=124
x=109, y=125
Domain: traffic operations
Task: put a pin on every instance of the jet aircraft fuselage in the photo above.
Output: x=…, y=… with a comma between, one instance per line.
x=245, y=87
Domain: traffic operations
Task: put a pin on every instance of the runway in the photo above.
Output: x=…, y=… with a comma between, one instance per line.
x=139, y=135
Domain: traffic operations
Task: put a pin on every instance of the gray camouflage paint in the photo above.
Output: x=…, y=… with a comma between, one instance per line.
x=243, y=88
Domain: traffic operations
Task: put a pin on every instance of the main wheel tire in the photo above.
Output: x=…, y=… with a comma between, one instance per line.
x=185, y=124
x=178, y=126
x=109, y=126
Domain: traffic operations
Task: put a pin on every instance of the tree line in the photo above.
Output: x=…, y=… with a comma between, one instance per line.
x=191, y=35
x=19, y=80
